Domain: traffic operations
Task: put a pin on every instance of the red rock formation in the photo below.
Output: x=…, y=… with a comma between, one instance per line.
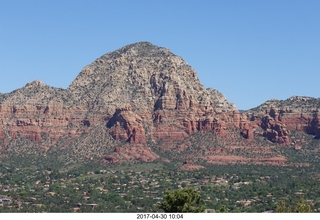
x=31, y=120
x=1, y=133
x=130, y=153
x=229, y=159
x=245, y=126
x=276, y=117
x=314, y=127
x=296, y=121
x=161, y=92
x=274, y=160
x=275, y=131
x=216, y=150
x=163, y=99
x=127, y=125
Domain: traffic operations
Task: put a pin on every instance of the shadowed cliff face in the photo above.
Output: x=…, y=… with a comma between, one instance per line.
x=138, y=93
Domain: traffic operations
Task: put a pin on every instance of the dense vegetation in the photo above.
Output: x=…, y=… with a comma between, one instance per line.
x=140, y=188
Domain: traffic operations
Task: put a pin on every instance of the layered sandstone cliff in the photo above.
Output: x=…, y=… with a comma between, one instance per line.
x=141, y=95
x=278, y=117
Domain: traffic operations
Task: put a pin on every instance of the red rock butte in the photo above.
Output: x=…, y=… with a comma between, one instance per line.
x=138, y=97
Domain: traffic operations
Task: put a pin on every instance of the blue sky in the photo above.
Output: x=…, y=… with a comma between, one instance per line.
x=251, y=51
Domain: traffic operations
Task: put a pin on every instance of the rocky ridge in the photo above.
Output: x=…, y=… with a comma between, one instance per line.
x=277, y=117
x=140, y=99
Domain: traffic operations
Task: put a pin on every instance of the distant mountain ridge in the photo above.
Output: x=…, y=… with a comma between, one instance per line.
x=136, y=101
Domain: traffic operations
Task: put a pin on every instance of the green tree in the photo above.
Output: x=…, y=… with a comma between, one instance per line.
x=282, y=207
x=302, y=206
x=182, y=200
x=223, y=209
x=23, y=193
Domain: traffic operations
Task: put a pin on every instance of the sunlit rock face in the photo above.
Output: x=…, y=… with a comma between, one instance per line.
x=139, y=95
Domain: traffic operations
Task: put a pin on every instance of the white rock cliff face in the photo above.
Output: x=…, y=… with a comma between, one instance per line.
x=146, y=74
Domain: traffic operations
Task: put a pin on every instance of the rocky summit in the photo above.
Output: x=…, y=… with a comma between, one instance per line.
x=143, y=103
